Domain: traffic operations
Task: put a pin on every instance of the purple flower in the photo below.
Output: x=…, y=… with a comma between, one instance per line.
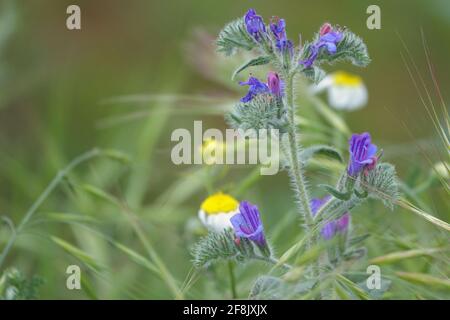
x=362, y=154
x=328, y=39
x=278, y=28
x=256, y=87
x=254, y=24
x=343, y=222
x=331, y=228
x=247, y=224
x=275, y=84
x=317, y=203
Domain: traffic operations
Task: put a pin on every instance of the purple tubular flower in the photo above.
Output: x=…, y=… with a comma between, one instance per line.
x=362, y=154
x=247, y=224
x=275, y=84
x=278, y=28
x=254, y=24
x=256, y=87
x=331, y=228
x=328, y=39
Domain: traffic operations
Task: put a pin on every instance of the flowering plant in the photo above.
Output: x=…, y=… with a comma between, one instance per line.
x=327, y=220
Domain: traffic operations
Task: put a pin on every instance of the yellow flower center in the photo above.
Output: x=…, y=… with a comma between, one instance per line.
x=219, y=202
x=342, y=78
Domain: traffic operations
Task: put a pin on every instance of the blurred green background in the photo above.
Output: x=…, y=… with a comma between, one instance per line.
x=55, y=85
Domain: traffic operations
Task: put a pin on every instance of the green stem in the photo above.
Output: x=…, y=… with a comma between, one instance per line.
x=232, y=279
x=296, y=173
x=294, y=151
x=53, y=184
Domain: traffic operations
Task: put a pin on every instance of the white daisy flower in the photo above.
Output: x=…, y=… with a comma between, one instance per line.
x=345, y=91
x=217, y=210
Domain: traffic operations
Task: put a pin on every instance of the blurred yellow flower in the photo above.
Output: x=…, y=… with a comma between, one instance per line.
x=212, y=151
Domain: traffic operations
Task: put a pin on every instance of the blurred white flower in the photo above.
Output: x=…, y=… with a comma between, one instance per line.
x=345, y=91
x=216, y=211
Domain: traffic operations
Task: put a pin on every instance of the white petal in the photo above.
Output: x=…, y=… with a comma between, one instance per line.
x=359, y=98
x=202, y=216
x=347, y=97
x=217, y=222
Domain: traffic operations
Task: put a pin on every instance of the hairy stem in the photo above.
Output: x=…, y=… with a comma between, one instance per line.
x=298, y=180
x=297, y=177
x=324, y=208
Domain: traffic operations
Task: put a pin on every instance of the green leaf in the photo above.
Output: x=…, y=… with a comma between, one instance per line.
x=88, y=288
x=342, y=292
x=138, y=258
x=381, y=183
x=234, y=36
x=220, y=246
x=424, y=279
x=259, y=61
x=358, y=239
x=273, y=288
x=67, y=217
x=315, y=74
x=353, y=287
x=361, y=194
x=307, y=153
x=262, y=112
x=267, y=287
x=336, y=193
x=360, y=278
x=402, y=255
x=117, y=155
x=351, y=48
x=354, y=254
x=79, y=254
x=99, y=193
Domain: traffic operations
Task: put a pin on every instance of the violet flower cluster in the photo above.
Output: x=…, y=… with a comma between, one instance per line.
x=257, y=29
x=283, y=44
x=276, y=30
x=274, y=86
x=328, y=40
